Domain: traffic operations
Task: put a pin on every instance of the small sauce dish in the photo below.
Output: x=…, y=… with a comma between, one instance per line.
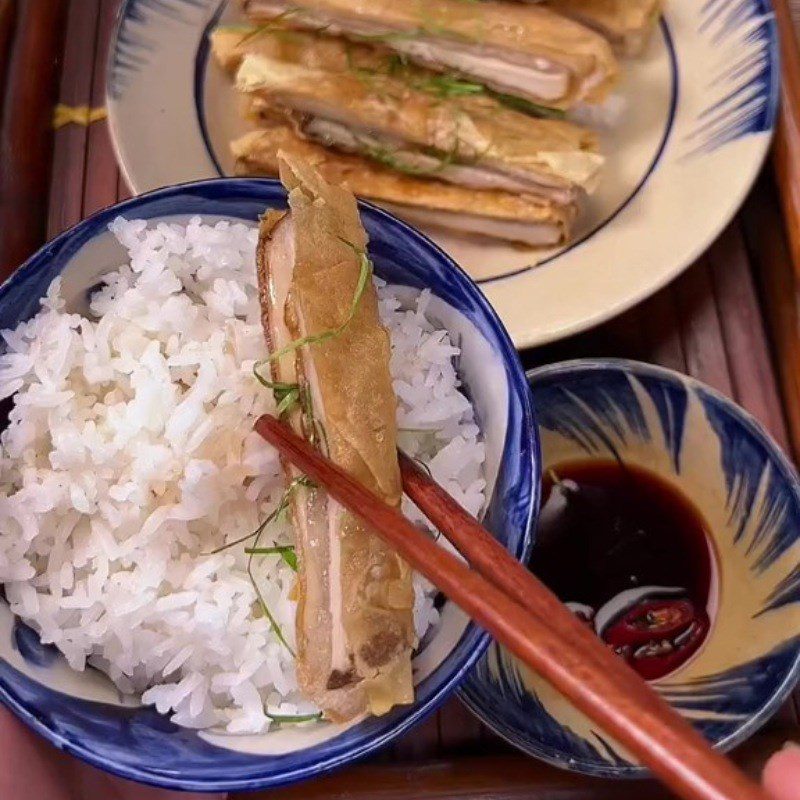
x=671, y=524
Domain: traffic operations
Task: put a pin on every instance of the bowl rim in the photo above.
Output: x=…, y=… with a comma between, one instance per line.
x=788, y=472
x=529, y=459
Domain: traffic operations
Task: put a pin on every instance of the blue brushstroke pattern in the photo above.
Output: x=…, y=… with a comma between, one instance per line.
x=787, y=591
x=611, y=399
x=131, y=44
x=573, y=412
x=749, y=86
x=742, y=691
x=29, y=646
x=519, y=709
x=747, y=462
x=671, y=402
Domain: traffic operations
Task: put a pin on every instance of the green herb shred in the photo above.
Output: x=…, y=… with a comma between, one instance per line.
x=447, y=85
x=293, y=719
x=527, y=106
x=276, y=514
x=365, y=273
x=267, y=613
x=274, y=25
x=302, y=480
x=285, y=551
x=287, y=395
x=390, y=159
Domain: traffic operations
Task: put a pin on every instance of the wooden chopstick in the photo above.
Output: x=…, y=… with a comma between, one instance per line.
x=656, y=734
x=488, y=557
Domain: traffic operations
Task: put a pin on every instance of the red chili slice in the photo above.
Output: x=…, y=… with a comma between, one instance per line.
x=654, y=667
x=652, y=619
x=657, y=636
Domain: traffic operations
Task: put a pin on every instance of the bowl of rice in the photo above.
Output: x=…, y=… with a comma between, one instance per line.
x=129, y=471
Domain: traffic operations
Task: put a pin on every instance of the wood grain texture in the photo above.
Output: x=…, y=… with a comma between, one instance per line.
x=766, y=242
x=8, y=21
x=101, y=172
x=661, y=332
x=768, y=247
x=70, y=143
x=701, y=329
x=31, y=73
x=784, y=277
x=744, y=338
x=794, y=8
x=786, y=150
x=503, y=777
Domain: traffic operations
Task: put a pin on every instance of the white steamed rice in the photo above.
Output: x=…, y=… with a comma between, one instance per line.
x=129, y=455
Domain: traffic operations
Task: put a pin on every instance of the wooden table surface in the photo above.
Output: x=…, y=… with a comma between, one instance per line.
x=710, y=323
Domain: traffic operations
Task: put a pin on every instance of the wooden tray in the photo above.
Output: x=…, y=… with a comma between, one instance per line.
x=709, y=323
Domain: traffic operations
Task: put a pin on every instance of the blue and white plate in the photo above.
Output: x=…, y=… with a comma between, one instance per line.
x=81, y=712
x=696, y=121
x=748, y=494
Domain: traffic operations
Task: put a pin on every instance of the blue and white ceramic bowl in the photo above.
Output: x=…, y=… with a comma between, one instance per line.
x=719, y=457
x=82, y=713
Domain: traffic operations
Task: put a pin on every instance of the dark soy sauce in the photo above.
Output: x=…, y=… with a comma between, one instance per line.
x=631, y=556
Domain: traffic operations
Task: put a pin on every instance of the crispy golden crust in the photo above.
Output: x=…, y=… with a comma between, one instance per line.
x=354, y=83
x=524, y=30
x=626, y=23
x=476, y=131
x=357, y=84
x=341, y=695
x=229, y=44
x=355, y=403
x=360, y=406
x=256, y=153
x=482, y=128
x=360, y=422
